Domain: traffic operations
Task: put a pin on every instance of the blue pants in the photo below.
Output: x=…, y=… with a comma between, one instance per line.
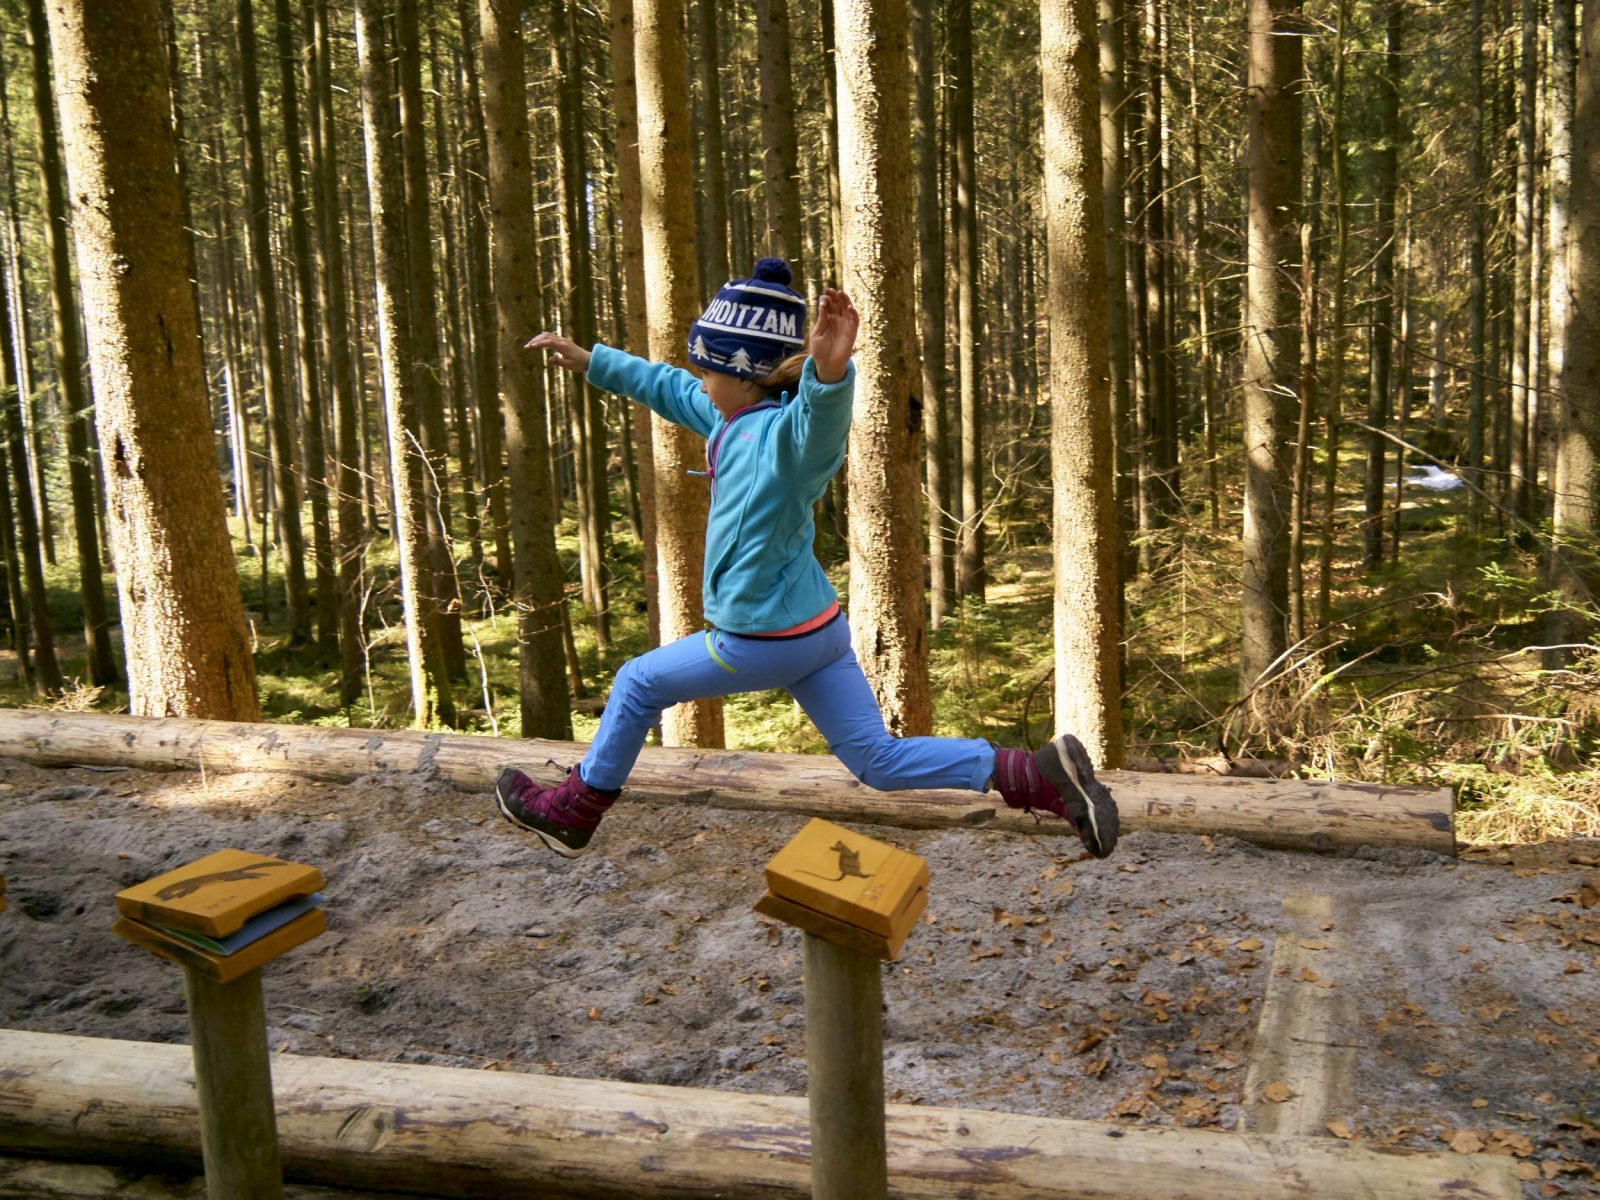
x=819, y=669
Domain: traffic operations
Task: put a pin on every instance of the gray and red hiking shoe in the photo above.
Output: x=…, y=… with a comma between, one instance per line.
x=565, y=816
x=1059, y=778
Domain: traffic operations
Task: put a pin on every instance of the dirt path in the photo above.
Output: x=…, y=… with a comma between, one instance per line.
x=1040, y=983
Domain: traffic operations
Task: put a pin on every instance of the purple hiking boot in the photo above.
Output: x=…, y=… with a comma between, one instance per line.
x=1059, y=778
x=565, y=816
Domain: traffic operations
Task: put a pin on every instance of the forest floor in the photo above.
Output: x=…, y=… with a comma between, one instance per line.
x=1039, y=981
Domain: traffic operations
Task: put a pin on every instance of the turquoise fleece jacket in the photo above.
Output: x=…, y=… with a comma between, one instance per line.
x=772, y=465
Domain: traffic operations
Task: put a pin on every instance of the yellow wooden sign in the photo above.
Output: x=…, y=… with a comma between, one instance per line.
x=224, y=968
x=217, y=894
x=828, y=881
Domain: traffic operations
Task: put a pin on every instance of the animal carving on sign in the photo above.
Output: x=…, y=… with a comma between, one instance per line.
x=188, y=887
x=849, y=864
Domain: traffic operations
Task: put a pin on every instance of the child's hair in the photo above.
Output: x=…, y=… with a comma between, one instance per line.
x=785, y=375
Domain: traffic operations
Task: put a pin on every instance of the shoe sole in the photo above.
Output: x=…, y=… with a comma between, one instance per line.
x=554, y=843
x=1071, y=765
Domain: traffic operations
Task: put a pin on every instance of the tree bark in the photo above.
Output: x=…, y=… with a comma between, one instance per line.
x=886, y=613
x=1336, y=352
x=1478, y=362
x=670, y=286
x=715, y=234
x=931, y=313
x=273, y=383
x=1271, y=330
x=66, y=322
x=1379, y=379
x=625, y=90
x=431, y=699
x=183, y=625
x=539, y=580
x=971, y=576
x=1088, y=685
x=780, y=155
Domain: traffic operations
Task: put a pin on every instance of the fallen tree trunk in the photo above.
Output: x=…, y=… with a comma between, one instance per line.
x=450, y=1132
x=1290, y=814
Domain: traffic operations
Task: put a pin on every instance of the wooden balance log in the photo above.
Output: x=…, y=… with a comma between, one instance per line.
x=221, y=918
x=1292, y=814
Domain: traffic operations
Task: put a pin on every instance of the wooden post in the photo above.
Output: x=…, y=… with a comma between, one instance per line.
x=844, y=1071
x=238, y=1131
x=856, y=901
x=220, y=918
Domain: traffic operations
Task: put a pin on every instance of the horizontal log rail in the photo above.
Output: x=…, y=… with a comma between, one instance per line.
x=444, y=1131
x=1292, y=814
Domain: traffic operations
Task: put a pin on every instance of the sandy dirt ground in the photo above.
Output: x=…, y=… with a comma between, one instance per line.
x=1039, y=981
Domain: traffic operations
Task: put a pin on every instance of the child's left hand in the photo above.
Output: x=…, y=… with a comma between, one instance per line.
x=833, y=337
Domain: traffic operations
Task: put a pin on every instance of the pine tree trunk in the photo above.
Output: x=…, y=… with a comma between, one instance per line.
x=1478, y=363
x=1561, y=82
x=183, y=625
x=885, y=457
x=971, y=577
x=830, y=137
x=286, y=483
x=1163, y=387
x=780, y=154
x=1113, y=172
x=673, y=304
x=486, y=358
x=1380, y=381
x=1203, y=301
x=931, y=311
x=1141, y=426
x=424, y=363
x=539, y=580
x=47, y=676
x=305, y=343
x=1336, y=351
x=587, y=413
x=715, y=233
x=625, y=92
x=1573, y=557
x=431, y=699
x=333, y=313
x=1088, y=688
x=69, y=362
x=1271, y=329
x=1523, y=321
x=1300, y=489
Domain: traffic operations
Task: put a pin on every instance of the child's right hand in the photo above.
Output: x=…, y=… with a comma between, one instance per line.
x=563, y=351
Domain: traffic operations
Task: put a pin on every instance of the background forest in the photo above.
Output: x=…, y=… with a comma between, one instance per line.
x=1429, y=618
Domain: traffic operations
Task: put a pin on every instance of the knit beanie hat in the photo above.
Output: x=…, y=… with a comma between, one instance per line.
x=751, y=325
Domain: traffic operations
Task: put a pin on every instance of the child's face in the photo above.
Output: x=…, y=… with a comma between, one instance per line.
x=728, y=393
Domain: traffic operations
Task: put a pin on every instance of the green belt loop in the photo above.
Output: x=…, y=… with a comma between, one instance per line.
x=712, y=650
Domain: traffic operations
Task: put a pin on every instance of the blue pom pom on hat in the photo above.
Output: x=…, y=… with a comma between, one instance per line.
x=751, y=325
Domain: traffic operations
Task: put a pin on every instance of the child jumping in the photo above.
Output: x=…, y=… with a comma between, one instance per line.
x=775, y=420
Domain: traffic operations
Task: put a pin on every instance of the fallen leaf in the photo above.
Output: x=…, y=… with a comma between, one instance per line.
x=594, y=1013
x=1433, y=1069
x=1278, y=1092
x=1480, y=1102
x=1466, y=1142
x=1097, y=1068
x=1557, y=1017
x=1340, y=1129
x=1307, y=975
x=1527, y=1172
x=1064, y=888
x=1089, y=1041
x=1249, y=945
x=1572, y=968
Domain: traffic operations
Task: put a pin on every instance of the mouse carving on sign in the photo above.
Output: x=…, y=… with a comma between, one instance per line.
x=849, y=864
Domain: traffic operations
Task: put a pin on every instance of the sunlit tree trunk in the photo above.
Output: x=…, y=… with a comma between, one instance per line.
x=673, y=304
x=1087, y=629
x=1271, y=331
x=183, y=624
x=971, y=577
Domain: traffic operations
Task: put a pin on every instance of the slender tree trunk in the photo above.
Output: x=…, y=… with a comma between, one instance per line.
x=16, y=601
x=886, y=611
x=1271, y=332
x=1402, y=391
x=491, y=449
x=1523, y=366
x=1202, y=291
x=1141, y=427
x=715, y=234
x=1300, y=485
x=1561, y=82
x=1380, y=381
x=1088, y=688
x=1113, y=193
x=971, y=576
x=1164, y=424
x=588, y=419
x=274, y=386
x=539, y=598
x=931, y=310
x=431, y=699
x=1336, y=352
x=780, y=153
x=425, y=363
x=625, y=91
x=1478, y=362
x=183, y=625
x=673, y=304
x=30, y=549
x=830, y=133
x=334, y=316
x=305, y=344
x=69, y=361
